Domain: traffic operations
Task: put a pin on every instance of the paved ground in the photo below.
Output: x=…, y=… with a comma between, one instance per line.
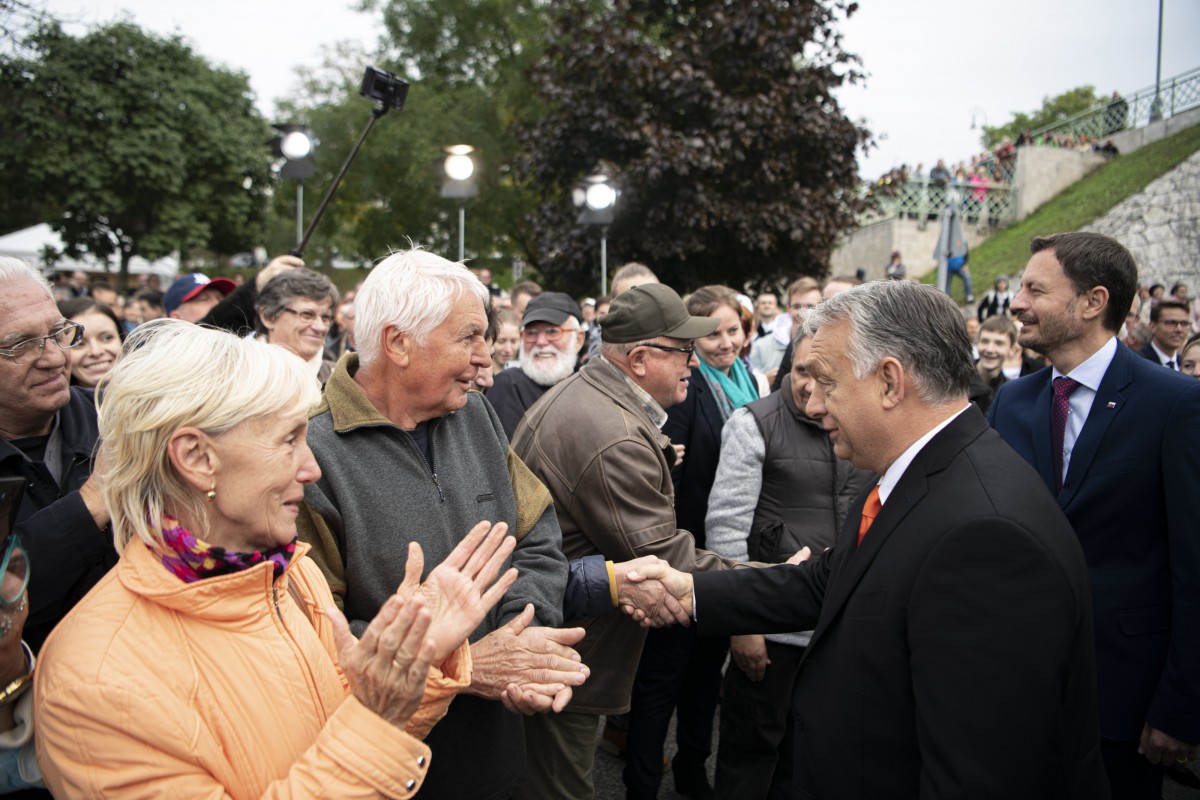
x=607, y=775
x=610, y=787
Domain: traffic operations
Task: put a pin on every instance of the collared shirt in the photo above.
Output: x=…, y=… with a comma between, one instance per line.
x=892, y=476
x=1164, y=359
x=654, y=411
x=1088, y=375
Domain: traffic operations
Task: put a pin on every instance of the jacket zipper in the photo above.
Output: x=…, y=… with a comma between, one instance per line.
x=432, y=469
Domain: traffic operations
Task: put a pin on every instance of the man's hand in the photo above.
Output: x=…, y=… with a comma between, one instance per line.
x=1163, y=748
x=678, y=584
x=456, y=591
x=750, y=654
x=530, y=670
x=803, y=554
x=650, y=596
x=277, y=265
x=92, y=491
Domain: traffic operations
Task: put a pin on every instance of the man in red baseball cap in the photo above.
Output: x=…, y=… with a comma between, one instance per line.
x=191, y=296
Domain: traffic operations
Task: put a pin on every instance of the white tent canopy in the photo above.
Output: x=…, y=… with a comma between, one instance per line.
x=30, y=243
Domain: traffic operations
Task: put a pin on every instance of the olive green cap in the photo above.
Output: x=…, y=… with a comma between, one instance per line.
x=649, y=311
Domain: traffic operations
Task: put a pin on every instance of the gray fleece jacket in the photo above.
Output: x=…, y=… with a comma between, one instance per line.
x=376, y=494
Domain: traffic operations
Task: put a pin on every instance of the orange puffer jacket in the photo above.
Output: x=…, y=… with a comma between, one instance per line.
x=152, y=687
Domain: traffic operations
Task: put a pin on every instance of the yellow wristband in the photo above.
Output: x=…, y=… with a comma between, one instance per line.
x=612, y=582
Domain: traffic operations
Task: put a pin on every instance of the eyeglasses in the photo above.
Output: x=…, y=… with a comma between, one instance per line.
x=802, y=306
x=1174, y=323
x=552, y=334
x=308, y=317
x=690, y=351
x=30, y=350
x=16, y=565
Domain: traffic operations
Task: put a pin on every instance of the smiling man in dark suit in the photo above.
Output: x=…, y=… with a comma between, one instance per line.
x=1122, y=456
x=952, y=654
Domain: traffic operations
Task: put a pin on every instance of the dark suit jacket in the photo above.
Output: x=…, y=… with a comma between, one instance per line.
x=695, y=423
x=1149, y=352
x=1132, y=493
x=952, y=654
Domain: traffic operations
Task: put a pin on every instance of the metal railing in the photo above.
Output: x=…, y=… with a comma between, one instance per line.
x=990, y=203
x=1137, y=110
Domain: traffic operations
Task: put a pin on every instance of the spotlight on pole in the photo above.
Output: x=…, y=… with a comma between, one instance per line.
x=458, y=169
x=294, y=144
x=596, y=198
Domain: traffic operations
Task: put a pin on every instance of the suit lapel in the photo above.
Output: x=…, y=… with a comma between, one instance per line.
x=1042, y=451
x=911, y=490
x=1106, y=405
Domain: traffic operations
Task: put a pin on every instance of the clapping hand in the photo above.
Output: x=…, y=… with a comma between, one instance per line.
x=386, y=668
x=456, y=591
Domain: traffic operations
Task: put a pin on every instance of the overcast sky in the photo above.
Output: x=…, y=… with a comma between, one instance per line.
x=931, y=63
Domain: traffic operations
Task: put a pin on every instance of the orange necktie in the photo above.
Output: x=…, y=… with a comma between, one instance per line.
x=869, y=512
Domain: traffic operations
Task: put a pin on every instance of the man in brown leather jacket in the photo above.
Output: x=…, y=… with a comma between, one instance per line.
x=595, y=441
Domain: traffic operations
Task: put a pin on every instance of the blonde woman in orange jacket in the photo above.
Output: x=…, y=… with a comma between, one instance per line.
x=210, y=662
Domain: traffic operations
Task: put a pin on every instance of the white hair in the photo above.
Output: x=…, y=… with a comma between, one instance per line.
x=412, y=291
x=175, y=374
x=16, y=268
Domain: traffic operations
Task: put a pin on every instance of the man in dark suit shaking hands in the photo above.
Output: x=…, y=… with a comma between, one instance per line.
x=952, y=651
x=1116, y=438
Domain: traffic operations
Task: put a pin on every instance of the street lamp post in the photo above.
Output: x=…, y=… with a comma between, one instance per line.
x=458, y=171
x=295, y=145
x=596, y=199
x=1156, y=105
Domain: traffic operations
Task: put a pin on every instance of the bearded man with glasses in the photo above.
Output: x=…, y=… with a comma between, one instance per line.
x=47, y=437
x=551, y=335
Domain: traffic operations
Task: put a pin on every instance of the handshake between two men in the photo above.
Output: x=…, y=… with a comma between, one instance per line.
x=655, y=594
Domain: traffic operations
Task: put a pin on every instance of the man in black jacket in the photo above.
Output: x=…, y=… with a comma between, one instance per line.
x=952, y=654
x=47, y=436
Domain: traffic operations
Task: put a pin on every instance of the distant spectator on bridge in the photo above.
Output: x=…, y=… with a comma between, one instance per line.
x=1115, y=114
x=895, y=269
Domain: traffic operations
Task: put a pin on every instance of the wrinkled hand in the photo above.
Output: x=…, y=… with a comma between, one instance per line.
x=387, y=667
x=648, y=595
x=276, y=265
x=456, y=591
x=750, y=654
x=803, y=554
x=1163, y=748
x=678, y=584
x=530, y=670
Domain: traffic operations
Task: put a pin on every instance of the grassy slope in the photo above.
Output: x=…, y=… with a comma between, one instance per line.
x=1078, y=205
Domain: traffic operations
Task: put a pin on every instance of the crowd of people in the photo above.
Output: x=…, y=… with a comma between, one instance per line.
x=429, y=537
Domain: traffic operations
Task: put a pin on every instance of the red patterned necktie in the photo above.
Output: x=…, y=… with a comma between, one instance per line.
x=1063, y=387
x=869, y=512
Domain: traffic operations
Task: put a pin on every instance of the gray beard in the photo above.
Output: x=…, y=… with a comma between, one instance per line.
x=547, y=373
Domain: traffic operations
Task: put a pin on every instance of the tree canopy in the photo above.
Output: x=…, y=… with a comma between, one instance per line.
x=1054, y=109
x=132, y=144
x=717, y=121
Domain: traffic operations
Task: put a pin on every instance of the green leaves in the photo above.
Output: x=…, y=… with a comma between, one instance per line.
x=735, y=163
x=131, y=143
